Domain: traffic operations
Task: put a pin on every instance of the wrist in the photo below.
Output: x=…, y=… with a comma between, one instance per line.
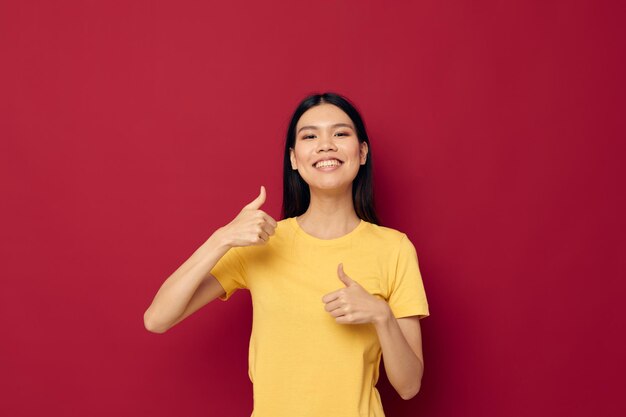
x=220, y=240
x=384, y=314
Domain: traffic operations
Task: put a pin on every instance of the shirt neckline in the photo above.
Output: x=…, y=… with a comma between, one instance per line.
x=318, y=241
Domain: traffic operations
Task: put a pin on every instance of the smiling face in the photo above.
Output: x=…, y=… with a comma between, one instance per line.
x=327, y=152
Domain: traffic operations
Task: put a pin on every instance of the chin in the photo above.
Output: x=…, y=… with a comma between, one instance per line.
x=329, y=183
x=334, y=186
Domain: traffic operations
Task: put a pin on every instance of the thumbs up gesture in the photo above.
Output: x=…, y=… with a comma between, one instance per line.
x=252, y=226
x=352, y=304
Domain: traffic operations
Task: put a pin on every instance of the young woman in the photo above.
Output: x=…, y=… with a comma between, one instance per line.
x=332, y=290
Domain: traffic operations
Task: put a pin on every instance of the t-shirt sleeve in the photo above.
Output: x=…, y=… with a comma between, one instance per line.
x=230, y=272
x=407, y=296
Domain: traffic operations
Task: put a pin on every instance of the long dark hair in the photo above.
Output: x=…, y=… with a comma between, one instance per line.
x=296, y=193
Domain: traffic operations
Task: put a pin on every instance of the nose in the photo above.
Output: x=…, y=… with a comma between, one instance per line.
x=326, y=143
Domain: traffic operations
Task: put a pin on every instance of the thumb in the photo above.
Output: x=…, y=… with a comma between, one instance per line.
x=343, y=277
x=257, y=202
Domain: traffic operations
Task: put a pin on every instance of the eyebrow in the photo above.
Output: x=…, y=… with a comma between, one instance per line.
x=335, y=125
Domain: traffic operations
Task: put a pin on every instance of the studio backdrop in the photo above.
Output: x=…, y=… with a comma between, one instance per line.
x=131, y=130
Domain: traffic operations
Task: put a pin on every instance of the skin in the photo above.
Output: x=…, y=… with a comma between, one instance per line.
x=192, y=285
x=330, y=215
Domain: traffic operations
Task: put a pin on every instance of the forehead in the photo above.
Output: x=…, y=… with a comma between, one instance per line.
x=322, y=115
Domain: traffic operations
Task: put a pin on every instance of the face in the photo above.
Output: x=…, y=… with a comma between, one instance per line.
x=326, y=133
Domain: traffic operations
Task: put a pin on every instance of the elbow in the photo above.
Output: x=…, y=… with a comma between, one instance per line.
x=408, y=396
x=150, y=325
x=410, y=390
x=410, y=393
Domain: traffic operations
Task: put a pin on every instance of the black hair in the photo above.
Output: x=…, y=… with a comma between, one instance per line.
x=296, y=193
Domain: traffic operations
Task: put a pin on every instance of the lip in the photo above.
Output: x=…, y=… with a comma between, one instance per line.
x=327, y=159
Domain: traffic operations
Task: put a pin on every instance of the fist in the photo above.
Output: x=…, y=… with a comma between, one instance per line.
x=352, y=304
x=252, y=226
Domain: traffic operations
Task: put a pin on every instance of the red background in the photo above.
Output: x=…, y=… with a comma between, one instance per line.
x=131, y=130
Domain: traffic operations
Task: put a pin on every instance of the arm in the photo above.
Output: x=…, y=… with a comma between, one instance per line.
x=400, y=339
x=192, y=286
x=401, y=344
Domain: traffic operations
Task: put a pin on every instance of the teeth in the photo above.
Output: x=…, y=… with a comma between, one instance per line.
x=330, y=163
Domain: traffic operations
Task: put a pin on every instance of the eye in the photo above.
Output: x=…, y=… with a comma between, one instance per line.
x=307, y=136
x=343, y=133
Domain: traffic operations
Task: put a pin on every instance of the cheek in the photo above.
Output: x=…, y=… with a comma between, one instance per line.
x=301, y=155
x=354, y=153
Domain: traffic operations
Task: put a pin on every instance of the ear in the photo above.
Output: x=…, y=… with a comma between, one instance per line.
x=364, y=151
x=292, y=157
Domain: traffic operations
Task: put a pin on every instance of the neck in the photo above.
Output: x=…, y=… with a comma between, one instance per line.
x=330, y=214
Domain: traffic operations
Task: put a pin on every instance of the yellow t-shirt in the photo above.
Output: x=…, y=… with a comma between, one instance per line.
x=301, y=361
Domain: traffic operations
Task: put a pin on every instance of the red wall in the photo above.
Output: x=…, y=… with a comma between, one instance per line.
x=131, y=130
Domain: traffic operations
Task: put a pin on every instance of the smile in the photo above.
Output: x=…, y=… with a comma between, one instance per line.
x=328, y=163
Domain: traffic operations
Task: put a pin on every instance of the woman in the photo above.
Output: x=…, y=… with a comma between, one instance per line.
x=332, y=290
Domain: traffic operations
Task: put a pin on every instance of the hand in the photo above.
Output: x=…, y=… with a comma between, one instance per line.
x=252, y=226
x=353, y=304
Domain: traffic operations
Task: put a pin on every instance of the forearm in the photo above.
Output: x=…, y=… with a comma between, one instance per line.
x=175, y=293
x=404, y=369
